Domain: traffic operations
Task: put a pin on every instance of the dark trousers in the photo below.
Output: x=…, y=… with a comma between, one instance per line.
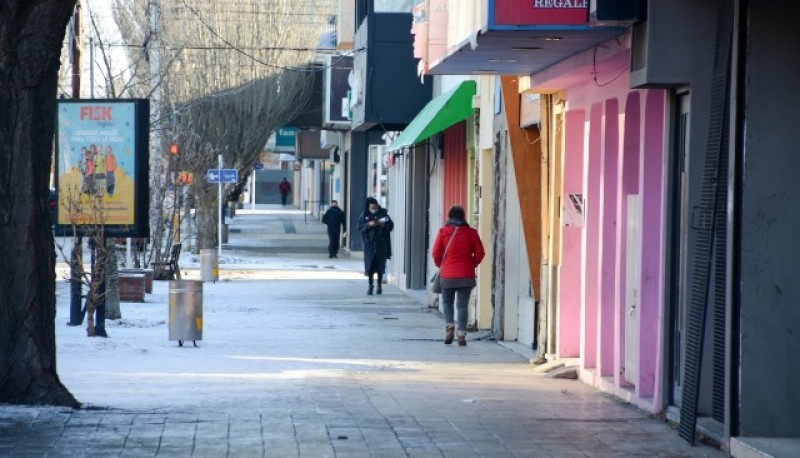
x=333, y=244
x=283, y=198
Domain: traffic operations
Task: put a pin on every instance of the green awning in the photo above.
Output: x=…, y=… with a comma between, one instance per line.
x=440, y=113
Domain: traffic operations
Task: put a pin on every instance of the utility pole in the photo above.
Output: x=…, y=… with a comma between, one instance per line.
x=219, y=214
x=91, y=66
x=76, y=257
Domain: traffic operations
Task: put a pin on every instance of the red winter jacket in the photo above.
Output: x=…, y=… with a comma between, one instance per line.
x=464, y=254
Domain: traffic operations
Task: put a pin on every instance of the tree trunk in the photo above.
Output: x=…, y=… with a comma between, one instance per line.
x=113, y=311
x=206, y=217
x=31, y=34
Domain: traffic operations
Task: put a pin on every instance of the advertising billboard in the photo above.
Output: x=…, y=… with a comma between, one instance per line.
x=102, y=154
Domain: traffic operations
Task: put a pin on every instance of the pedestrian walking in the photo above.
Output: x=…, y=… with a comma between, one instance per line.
x=375, y=226
x=233, y=200
x=457, y=251
x=285, y=188
x=335, y=220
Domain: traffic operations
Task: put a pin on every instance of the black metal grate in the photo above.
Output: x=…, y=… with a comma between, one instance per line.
x=720, y=279
x=710, y=206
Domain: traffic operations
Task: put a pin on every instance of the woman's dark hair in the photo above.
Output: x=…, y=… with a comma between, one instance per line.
x=370, y=200
x=456, y=212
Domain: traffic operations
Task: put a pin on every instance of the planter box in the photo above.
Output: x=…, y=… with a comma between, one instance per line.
x=148, y=277
x=131, y=287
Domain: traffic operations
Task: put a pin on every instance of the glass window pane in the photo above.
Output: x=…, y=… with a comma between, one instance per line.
x=395, y=6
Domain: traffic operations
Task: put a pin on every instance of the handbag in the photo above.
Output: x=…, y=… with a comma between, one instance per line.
x=436, y=282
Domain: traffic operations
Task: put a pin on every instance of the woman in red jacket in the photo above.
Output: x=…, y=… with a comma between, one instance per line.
x=457, y=263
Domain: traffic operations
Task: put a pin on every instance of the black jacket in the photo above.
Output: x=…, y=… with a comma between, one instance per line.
x=377, y=246
x=334, y=219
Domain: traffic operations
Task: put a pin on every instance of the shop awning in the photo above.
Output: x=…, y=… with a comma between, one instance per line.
x=440, y=113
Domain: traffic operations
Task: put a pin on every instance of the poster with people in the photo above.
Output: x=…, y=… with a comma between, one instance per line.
x=96, y=148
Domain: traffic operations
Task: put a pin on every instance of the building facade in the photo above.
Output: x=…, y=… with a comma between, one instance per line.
x=628, y=165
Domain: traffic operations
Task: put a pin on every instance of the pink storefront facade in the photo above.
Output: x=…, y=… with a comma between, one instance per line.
x=610, y=294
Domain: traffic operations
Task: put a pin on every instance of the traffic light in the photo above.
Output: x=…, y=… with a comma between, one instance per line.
x=185, y=178
x=173, y=149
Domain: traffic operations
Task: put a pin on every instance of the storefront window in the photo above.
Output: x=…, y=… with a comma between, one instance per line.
x=395, y=6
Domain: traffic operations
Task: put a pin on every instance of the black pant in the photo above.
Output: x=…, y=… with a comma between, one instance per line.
x=283, y=198
x=333, y=244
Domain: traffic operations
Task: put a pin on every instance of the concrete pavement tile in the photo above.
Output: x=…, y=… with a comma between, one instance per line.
x=145, y=447
x=490, y=448
x=84, y=420
x=102, y=454
x=287, y=440
x=33, y=439
x=282, y=452
x=65, y=453
x=351, y=449
x=113, y=429
x=459, y=451
x=181, y=442
x=316, y=450
x=534, y=452
x=136, y=453
x=116, y=419
x=108, y=441
x=412, y=453
x=166, y=452
x=105, y=448
x=32, y=451
x=246, y=451
x=389, y=452
x=211, y=450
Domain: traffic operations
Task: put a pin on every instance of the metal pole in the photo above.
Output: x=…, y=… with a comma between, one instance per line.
x=219, y=215
x=253, y=187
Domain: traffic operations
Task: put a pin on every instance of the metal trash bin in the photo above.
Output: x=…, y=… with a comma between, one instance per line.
x=185, y=311
x=209, y=265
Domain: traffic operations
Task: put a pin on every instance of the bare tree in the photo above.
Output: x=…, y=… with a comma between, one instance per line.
x=31, y=35
x=232, y=73
x=88, y=211
x=249, y=114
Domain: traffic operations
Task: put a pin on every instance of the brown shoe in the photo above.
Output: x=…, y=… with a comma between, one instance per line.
x=462, y=340
x=449, y=330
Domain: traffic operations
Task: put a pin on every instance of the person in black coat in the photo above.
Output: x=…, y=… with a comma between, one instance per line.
x=375, y=226
x=335, y=220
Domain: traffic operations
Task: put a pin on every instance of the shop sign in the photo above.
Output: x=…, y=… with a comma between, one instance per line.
x=540, y=12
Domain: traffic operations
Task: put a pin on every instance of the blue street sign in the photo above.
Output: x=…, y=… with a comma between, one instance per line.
x=258, y=166
x=223, y=175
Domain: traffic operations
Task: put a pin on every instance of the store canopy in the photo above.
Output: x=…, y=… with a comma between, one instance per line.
x=440, y=113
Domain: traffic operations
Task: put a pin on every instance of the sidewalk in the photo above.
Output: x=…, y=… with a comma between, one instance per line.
x=297, y=361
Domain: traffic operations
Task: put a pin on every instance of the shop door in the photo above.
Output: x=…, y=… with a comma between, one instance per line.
x=633, y=253
x=678, y=242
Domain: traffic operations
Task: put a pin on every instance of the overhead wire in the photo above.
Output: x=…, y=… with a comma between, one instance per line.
x=242, y=51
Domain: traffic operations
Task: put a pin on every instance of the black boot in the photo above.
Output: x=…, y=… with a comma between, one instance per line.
x=369, y=290
x=379, y=290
